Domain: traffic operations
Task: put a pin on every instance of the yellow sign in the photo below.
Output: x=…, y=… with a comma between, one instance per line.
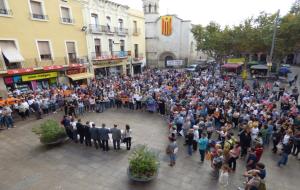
x=39, y=76
x=236, y=60
x=166, y=25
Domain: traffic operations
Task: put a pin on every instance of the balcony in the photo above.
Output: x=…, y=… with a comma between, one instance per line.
x=67, y=20
x=97, y=29
x=121, y=31
x=80, y=60
x=138, y=58
x=136, y=32
x=39, y=16
x=5, y=12
x=109, y=56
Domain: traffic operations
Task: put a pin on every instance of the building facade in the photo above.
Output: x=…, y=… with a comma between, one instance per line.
x=110, y=37
x=41, y=41
x=167, y=37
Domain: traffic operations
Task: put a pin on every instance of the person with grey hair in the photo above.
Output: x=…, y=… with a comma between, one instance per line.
x=116, y=136
x=103, y=136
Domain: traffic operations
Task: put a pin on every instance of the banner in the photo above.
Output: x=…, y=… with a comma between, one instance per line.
x=39, y=76
x=236, y=60
x=174, y=62
x=166, y=25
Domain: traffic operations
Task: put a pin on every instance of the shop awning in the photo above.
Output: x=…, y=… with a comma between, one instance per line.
x=10, y=52
x=81, y=76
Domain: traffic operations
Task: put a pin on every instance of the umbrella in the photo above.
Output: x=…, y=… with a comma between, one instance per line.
x=284, y=70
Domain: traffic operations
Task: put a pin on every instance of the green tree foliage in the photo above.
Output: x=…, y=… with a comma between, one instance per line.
x=253, y=35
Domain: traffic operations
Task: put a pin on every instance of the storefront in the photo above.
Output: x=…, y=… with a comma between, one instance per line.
x=137, y=68
x=29, y=82
x=111, y=68
x=79, y=76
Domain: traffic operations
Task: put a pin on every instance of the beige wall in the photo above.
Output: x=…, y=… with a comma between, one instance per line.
x=25, y=31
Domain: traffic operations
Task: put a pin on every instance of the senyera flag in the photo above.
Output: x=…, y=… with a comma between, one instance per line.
x=166, y=25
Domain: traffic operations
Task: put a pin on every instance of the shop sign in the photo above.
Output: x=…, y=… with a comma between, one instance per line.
x=174, y=62
x=19, y=71
x=39, y=76
x=8, y=80
x=76, y=71
x=17, y=79
x=53, y=67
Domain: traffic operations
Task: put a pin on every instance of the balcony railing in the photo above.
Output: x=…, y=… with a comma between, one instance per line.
x=138, y=57
x=5, y=12
x=121, y=31
x=67, y=20
x=37, y=63
x=94, y=28
x=39, y=16
x=109, y=55
x=136, y=32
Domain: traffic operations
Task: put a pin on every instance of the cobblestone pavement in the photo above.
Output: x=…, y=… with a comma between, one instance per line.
x=26, y=165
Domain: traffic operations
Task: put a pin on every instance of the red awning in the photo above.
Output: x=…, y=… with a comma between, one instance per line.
x=19, y=71
x=231, y=66
x=75, y=65
x=53, y=67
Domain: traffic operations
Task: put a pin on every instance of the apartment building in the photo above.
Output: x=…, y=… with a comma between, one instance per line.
x=111, y=38
x=42, y=43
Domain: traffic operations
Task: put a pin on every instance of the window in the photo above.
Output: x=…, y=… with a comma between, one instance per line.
x=94, y=20
x=110, y=46
x=4, y=8
x=120, y=24
x=108, y=22
x=37, y=10
x=71, y=49
x=44, y=50
x=122, y=45
x=11, y=55
x=97, y=47
x=136, y=50
x=150, y=8
x=66, y=15
x=135, y=30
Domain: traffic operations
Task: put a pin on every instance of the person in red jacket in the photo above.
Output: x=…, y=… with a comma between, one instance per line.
x=259, y=151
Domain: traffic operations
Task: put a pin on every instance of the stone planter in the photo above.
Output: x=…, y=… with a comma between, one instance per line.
x=141, y=180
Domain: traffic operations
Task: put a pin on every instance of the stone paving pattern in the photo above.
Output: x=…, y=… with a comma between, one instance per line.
x=27, y=165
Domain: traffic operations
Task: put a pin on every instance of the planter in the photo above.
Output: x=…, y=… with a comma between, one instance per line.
x=57, y=142
x=142, y=180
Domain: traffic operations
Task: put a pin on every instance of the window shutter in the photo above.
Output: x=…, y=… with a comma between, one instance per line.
x=36, y=7
x=65, y=12
x=71, y=47
x=44, y=48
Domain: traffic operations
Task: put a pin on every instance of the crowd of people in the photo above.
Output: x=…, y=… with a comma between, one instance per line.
x=224, y=118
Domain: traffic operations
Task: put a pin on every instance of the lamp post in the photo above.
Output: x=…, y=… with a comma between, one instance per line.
x=273, y=42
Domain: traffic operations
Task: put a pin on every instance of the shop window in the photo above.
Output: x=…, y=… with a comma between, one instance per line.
x=66, y=15
x=71, y=48
x=37, y=10
x=45, y=51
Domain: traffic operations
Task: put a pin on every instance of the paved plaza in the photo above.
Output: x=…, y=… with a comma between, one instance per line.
x=27, y=165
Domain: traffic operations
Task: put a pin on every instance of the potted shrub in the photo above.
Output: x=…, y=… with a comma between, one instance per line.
x=50, y=132
x=143, y=164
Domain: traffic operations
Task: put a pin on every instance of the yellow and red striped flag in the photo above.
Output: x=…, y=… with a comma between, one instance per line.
x=166, y=25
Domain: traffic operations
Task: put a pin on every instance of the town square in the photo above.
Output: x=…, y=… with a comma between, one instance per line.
x=144, y=94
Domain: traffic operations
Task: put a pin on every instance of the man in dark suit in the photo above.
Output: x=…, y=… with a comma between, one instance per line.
x=80, y=130
x=103, y=136
x=116, y=136
x=87, y=134
x=94, y=135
